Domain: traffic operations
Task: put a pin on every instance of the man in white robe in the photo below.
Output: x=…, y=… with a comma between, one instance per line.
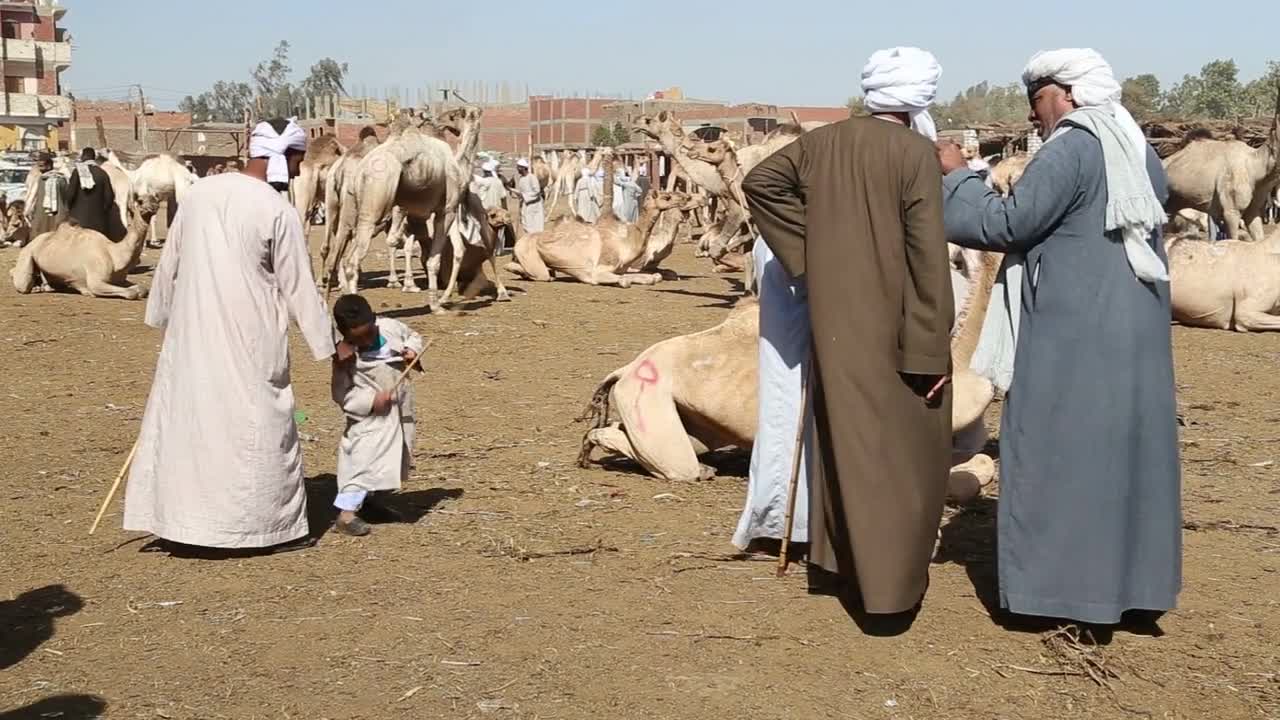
x=895, y=82
x=588, y=197
x=626, y=197
x=489, y=188
x=530, y=192
x=218, y=463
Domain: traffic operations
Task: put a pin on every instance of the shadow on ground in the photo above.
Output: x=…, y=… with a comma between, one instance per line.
x=26, y=622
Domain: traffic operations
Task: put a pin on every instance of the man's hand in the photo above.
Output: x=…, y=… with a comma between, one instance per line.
x=345, y=352
x=951, y=157
x=382, y=402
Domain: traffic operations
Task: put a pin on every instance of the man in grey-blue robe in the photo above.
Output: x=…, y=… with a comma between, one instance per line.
x=1089, y=520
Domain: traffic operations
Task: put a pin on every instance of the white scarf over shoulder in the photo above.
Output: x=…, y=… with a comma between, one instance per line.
x=903, y=79
x=1132, y=211
x=265, y=142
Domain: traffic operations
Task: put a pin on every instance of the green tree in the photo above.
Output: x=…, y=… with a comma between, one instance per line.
x=602, y=136
x=1220, y=90
x=225, y=102
x=982, y=104
x=1141, y=96
x=856, y=105
x=1260, y=94
x=327, y=77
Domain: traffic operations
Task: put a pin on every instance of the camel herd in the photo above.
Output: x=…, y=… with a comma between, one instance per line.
x=686, y=395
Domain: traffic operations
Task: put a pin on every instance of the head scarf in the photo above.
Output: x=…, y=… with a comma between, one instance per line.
x=489, y=166
x=903, y=79
x=1132, y=206
x=265, y=142
x=522, y=163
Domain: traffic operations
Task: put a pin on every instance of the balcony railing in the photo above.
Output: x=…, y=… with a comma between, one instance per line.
x=48, y=107
x=22, y=57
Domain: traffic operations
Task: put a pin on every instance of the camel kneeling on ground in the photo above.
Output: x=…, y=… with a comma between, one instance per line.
x=85, y=261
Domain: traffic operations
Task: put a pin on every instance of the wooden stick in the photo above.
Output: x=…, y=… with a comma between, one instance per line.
x=114, y=486
x=795, y=466
x=128, y=461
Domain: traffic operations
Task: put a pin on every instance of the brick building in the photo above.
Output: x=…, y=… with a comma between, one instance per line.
x=123, y=127
x=33, y=53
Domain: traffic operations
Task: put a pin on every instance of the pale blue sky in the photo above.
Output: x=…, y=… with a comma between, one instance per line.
x=746, y=50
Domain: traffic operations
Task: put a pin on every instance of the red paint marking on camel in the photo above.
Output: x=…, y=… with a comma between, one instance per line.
x=647, y=373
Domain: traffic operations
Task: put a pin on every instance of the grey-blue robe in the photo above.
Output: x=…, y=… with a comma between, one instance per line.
x=1089, y=521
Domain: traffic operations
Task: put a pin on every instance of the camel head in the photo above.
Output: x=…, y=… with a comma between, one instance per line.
x=714, y=152
x=15, y=220
x=654, y=126
x=1008, y=171
x=143, y=208
x=498, y=218
x=664, y=200
x=458, y=119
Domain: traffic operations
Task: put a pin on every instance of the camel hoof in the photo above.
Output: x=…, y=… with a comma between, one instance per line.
x=706, y=472
x=504, y=297
x=657, y=277
x=410, y=289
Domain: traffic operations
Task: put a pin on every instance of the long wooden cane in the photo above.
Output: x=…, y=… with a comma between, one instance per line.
x=795, y=467
x=129, y=460
x=115, y=486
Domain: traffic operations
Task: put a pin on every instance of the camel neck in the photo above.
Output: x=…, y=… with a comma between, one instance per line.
x=126, y=253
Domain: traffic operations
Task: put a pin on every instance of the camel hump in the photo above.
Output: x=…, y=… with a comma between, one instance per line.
x=1199, y=133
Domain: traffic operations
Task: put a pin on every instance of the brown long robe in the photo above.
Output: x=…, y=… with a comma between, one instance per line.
x=856, y=208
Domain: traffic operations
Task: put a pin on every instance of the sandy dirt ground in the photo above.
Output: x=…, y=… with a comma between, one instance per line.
x=525, y=587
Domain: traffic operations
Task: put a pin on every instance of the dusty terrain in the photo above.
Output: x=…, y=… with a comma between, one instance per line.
x=529, y=588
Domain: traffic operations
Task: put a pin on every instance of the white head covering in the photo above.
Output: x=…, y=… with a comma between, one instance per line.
x=265, y=142
x=903, y=79
x=489, y=166
x=522, y=163
x=1132, y=206
x=600, y=173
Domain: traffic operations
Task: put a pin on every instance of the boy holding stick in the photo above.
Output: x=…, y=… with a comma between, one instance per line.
x=376, y=449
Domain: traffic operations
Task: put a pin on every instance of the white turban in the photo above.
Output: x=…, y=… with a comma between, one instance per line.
x=1092, y=82
x=522, y=163
x=903, y=79
x=265, y=142
x=489, y=166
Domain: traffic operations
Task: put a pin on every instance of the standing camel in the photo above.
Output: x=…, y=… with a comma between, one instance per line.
x=309, y=187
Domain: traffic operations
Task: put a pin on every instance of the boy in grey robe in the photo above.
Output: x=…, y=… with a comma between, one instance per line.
x=376, y=449
x=1089, y=523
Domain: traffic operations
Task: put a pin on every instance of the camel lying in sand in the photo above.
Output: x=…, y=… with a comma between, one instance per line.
x=17, y=230
x=1226, y=285
x=600, y=253
x=84, y=260
x=695, y=393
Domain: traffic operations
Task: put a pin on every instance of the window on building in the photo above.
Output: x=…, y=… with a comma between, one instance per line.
x=14, y=85
x=9, y=29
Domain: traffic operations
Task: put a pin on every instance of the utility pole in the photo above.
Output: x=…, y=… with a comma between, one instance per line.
x=142, y=117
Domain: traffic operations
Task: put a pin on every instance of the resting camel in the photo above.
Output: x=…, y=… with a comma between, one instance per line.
x=665, y=128
x=599, y=253
x=662, y=239
x=1226, y=285
x=85, y=260
x=1227, y=179
x=694, y=393
x=309, y=187
x=17, y=231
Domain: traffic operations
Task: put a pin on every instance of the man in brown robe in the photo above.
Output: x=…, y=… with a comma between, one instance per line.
x=856, y=209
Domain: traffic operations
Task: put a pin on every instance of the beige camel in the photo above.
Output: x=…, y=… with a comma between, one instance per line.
x=17, y=230
x=309, y=187
x=121, y=186
x=1226, y=285
x=662, y=239
x=416, y=169
x=697, y=174
x=84, y=260
x=1227, y=179
x=340, y=209
x=161, y=178
x=599, y=253
x=1008, y=171
x=565, y=180
x=695, y=393
x=479, y=230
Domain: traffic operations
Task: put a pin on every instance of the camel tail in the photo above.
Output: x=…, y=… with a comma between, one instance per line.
x=24, y=270
x=597, y=413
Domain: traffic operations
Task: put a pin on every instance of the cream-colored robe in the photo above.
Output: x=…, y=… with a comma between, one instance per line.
x=218, y=462
x=376, y=451
x=491, y=191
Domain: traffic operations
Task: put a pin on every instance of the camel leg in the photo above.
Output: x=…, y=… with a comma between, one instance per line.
x=658, y=439
x=395, y=240
x=1232, y=219
x=503, y=295
x=459, y=250
x=1256, y=231
x=612, y=439
x=98, y=287
x=966, y=480
x=431, y=255
x=1255, y=321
